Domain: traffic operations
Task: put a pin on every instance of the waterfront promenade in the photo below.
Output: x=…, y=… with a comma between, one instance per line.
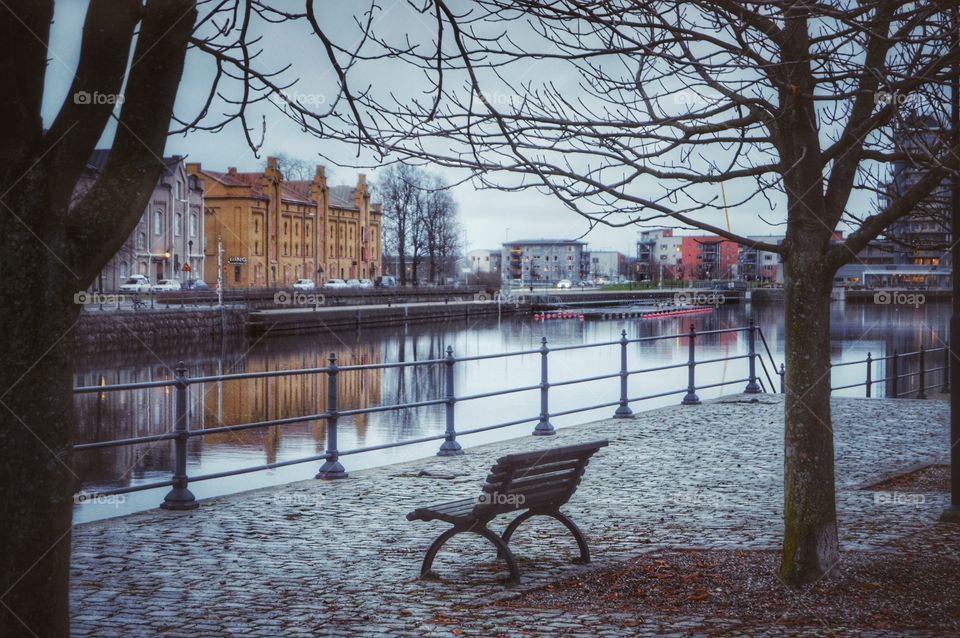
x=338, y=558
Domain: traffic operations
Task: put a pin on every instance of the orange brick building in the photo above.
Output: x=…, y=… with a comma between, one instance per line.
x=275, y=231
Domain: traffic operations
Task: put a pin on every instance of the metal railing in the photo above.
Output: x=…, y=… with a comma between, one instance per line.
x=893, y=363
x=180, y=497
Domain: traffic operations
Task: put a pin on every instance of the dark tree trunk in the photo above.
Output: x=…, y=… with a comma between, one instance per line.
x=810, y=546
x=36, y=432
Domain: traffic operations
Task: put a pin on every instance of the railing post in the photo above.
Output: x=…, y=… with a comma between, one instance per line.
x=691, y=398
x=331, y=468
x=945, y=387
x=783, y=377
x=895, y=376
x=544, y=427
x=449, y=447
x=752, y=386
x=921, y=393
x=180, y=497
x=869, y=383
x=623, y=410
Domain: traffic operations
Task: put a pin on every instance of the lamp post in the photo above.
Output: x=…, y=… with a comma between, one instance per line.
x=952, y=513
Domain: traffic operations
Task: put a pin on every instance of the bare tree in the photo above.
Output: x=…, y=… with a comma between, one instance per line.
x=640, y=110
x=296, y=168
x=440, y=226
x=399, y=189
x=58, y=237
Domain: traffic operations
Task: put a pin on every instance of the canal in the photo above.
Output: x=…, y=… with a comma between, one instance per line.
x=856, y=330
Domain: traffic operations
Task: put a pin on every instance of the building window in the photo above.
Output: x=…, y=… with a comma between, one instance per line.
x=158, y=222
x=141, y=240
x=193, y=224
x=179, y=190
x=178, y=224
x=123, y=270
x=236, y=274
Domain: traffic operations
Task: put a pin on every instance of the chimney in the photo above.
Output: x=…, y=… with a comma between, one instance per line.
x=272, y=163
x=193, y=167
x=232, y=170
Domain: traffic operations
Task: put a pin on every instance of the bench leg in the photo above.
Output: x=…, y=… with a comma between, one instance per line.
x=560, y=516
x=435, y=547
x=577, y=534
x=502, y=550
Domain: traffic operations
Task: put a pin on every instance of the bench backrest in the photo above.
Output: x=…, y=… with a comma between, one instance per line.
x=532, y=480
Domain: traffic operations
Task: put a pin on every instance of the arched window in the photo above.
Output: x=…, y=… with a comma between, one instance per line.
x=158, y=222
x=193, y=224
x=178, y=224
x=123, y=270
x=141, y=240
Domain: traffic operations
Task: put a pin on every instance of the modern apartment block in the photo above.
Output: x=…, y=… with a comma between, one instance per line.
x=923, y=237
x=168, y=241
x=662, y=254
x=544, y=261
x=484, y=261
x=606, y=264
x=755, y=264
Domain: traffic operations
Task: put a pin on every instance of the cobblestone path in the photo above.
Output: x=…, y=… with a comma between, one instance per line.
x=338, y=558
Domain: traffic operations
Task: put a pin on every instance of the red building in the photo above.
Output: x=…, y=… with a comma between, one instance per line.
x=709, y=257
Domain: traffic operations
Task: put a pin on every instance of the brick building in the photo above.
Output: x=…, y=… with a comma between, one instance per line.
x=275, y=231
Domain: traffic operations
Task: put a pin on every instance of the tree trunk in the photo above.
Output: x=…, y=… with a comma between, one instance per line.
x=37, y=481
x=810, y=545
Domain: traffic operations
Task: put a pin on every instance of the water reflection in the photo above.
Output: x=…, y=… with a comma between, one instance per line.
x=856, y=330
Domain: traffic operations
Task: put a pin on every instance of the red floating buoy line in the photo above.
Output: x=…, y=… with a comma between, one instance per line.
x=677, y=312
x=544, y=316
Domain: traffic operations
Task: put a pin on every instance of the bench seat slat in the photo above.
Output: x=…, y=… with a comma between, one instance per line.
x=540, y=457
x=497, y=474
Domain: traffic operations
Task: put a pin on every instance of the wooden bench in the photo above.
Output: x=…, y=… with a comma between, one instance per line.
x=537, y=483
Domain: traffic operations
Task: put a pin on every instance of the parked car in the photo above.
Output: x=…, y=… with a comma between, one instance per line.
x=166, y=285
x=195, y=284
x=366, y=283
x=353, y=283
x=136, y=283
x=335, y=283
x=386, y=281
x=564, y=283
x=304, y=284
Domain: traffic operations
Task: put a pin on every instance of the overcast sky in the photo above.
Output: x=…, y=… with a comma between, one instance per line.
x=489, y=217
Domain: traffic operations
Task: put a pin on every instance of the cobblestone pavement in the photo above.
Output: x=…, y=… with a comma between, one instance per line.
x=338, y=558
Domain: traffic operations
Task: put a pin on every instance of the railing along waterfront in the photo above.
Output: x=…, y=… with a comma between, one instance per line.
x=180, y=497
x=894, y=376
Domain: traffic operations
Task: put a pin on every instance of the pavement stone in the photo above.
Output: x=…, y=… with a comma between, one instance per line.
x=337, y=558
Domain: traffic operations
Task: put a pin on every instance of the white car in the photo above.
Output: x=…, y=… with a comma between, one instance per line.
x=564, y=283
x=335, y=283
x=304, y=284
x=166, y=285
x=136, y=283
x=366, y=283
x=353, y=283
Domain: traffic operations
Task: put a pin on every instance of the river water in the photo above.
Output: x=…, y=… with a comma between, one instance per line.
x=856, y=330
